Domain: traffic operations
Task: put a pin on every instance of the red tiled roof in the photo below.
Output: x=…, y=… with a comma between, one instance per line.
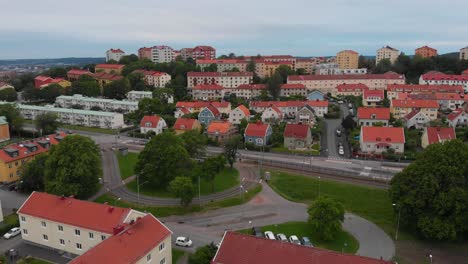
x=252, y=86
x=454, y=114
x=203, y=48
x=351, y=87
x=449, y=96
x=385, y=76
x=71, y=211
x=208, y=87
x=296, y=131
x=439, y=134
x=109, y=66
x=383, y=134
x=256, y=129
x=78, y=72
x=415, y=103
x=116, y=51
x=221, y=127
x=219, y=74
x=130, y=245
x=107, y=76
x=244, y=109
x=23, y=151
x=4, y=84
x=288, y=103
x=278, y=62
x=225, y=61
x=424, y=88
x=43, y=78
x=184, y=123
x=201, y=104
x=412, y=114
x=293, y=86
x=238, y=248
x=152, y=119
x=368, y=112
x=152, y=73
x=213, y=110
x=373, y=93
x=437, y=76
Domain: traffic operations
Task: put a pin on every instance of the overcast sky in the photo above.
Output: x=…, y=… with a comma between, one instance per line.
x=87, y=28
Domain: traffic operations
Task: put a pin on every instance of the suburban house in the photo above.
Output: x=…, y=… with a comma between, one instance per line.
x=220, y=131
x=4, y=129
x=109, y=68
x=13, y=156
x=380, y=139
x=152, y=123
x=182, y=125
x=416, y=119
x=458, y=118
x=306, y=115
x=369, y=116
x=258, y=134
x=181, y=111
x=372, y=97
x=239, y=113
x=315, y=95
x=4, y=85
x=347, y=89
x=44, y=81
x=93, y=232
x=432, y=135
x=401, y=108
x=297, y=136
x=236, y=248
x=272, y=115
x=208, y=114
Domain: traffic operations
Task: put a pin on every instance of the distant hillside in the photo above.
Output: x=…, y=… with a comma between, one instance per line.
x=453, y=55
x=65, y=61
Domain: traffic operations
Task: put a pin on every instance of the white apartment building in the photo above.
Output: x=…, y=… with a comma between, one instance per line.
x=464, y=53
x=224, y=79
x=74, y=116
x=160, y=54
x=333, y=69
x=293, y=89
x=387, y=52
x=290, y=108
x=439, y=78
x=92, y=232
x=207, y=92
x=114, y=54
x=246, y=91
x=88, y=103
x=137, y=96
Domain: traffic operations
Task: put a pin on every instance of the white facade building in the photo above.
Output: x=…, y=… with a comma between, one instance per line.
x=160, y=54
x=152, y=123
x=224, y=79
x=89, y=103
x=137, y=96
x=114, y=54
x=333, y=69
x=464, y=53
x=387, y=52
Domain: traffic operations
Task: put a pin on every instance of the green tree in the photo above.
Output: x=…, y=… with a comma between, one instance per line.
x=230, y=149
x=117, y=89
x=127, y=59
x=86, y=85
x=274, y=85
x=194, y=143
x=211, y=68
x=31, y=94
x=325, y=217
x=203, y=255
x=8, y=95
x=251, y=66
x=211, y=167
x=277, y=138
x=51, y=92
x=47, y=123
x=32, y=174
x=73, y=167
x=383, y=66
x=163, y=158
x=13, y=116
x=242, y=126
x=284, y=71
x=56, y=72
x=182, y=188
x=348, y=123
x=136, y=80
x=431, y=194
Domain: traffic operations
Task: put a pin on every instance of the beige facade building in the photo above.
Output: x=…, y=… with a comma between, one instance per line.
x=306, y=64
x=225, y=79
x=387, y=52
x=401, y=108
x=347, y=59
x=464, y=53
x=224, y=65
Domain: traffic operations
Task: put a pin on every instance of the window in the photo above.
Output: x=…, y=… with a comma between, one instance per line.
x=77, y=232
x=161, y=247
x=44, y=224
x=103, y=237
x=23, y=219
x=163, y=261
x=45, y=237
x=25, y=231
x=78, y=246
x=60, y=228
x=148, y=257
x=91, y=235
x=62, y=242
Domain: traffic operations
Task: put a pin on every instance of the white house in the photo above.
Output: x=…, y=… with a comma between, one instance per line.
x=153, y=123
x=239, y=113
x=369, y=116
x=272, y=114
x=458, y=118
x=380, y=139
x=416, y=119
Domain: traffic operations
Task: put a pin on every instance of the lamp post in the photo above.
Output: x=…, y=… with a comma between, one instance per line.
x=398, y=220
x=430, y=258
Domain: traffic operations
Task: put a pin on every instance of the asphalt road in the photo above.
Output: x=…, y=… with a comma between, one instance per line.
x=331, y=138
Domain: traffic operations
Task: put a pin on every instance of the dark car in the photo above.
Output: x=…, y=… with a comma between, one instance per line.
x=305, y=241
x=257, y=232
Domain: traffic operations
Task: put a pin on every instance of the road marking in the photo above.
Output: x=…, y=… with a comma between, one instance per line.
x=364, y=174
x=392, y=168
x=339, y=161
x=367, y=168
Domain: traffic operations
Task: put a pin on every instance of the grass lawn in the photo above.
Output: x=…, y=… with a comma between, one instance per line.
x=301, y=229
x=312, y=151
x=176, y=255
x=127, y=164
x=167, y=211
x=89, y=129
x=226, y=179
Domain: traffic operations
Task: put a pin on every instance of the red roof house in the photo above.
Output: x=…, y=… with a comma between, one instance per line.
x=432, y=135
x=41, y=80
x=297, y=136
x=368, y=116
x=184, y=124
x=257, y=133
x=152, y=123
x=380, y=139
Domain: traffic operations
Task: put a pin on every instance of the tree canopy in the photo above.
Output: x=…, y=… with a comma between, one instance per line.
x=8, y=95
x=194, y=143
x=231, y=147
x=47, y=123
x=13, y=116
x=32, y=174
x=117, y=89
x=87, y=86
x=182, y=187
x=325, y=217
x=274, y=85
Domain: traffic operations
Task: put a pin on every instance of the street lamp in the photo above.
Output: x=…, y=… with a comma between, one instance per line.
x=430, y=258
x=398, y=220
x=344, y=246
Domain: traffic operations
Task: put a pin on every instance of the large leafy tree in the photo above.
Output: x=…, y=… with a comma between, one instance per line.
x=73, y=167
x=47, y=123
x=32, y=174
x=8, y=95
x=194, y=143
x=203, y=255
x=431, y=194
x=163, y=159
x=13, y=116
x=230, y=149
x=86, y=85
x=274, y=85
x=211, y=167
x=325, y=217
x=51, y=92
x=284, y=71
x=117, y=89
x=182, y=187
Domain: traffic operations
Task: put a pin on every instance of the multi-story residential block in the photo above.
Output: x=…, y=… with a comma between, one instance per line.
x=74, y=74
x=258, y=134
x=4, y=129
x=350, y=89
x=266, y=68
x=92, y=232
x=186, y=53
x=425, y=52
x=381, y=139
x=183, y=125
x=464, y=53
x=204, y=52
x=450, y=101
x=161, y=54
x=394, y=90
x=387, y=52
x=114, y=54
x=136, y=96
x=220, y=131
x=92, y=103
x=401, y=108
x=225, y=79
x=145, y=53
x=4, y=85
x=290, y=108
x=373, y=97
x=433, y=135
x=458, y=118
x=238, y=114
x=13, y=156
x=306, y=64
x=333, y=69
x=207, y=92
x=224, y=65
x=152, y=123
x=155, y=78
x=43, y=81
x=347, y=59
x=370, y=116
x=289, y=89
x=246, y=91
x=194, y=107
x=328, y=83
x=297, y=136
x=208, y=114
x=109, y=68
x=103, y=78
x=438, y=78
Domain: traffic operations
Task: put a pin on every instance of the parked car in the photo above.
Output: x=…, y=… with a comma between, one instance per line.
x=305, y=241
x=281, y=237
x=270, y=235
x=338, y=132
x=340, y=102
x=183, y=242
x=350, y=106
x=257, y=232
x=12, y=233
x=293, y=239
x=341, y=150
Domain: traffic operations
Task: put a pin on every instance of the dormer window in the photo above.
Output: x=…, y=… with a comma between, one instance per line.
x=148, y=124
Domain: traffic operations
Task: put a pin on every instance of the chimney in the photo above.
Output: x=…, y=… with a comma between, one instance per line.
x=118, y=229
x=111, y=209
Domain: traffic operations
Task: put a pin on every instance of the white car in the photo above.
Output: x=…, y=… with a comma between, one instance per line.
x=183, y=242
x=281, y=237
x=12, y=233
x=294, y=240
x=270, y=235
x=341, y=150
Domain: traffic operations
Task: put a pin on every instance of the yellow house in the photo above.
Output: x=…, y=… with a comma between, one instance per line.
x=13, y=156
x=401, y=108
x=183, y=125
